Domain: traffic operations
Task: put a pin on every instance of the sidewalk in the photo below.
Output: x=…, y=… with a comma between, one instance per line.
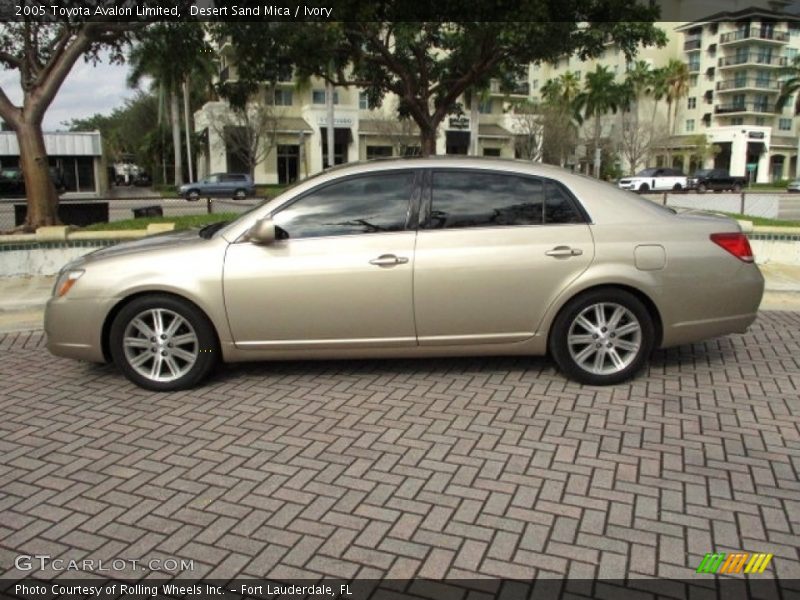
x=22, y=299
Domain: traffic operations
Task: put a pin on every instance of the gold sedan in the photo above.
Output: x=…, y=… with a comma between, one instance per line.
x=414, y=258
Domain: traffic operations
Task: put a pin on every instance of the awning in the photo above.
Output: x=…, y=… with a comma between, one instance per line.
x=387, y=128
x=756, y=148
x=293, y=125
x=341, y=135
x=493, y=131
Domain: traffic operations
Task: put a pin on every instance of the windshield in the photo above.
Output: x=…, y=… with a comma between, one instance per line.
x=702, y=172
x=646, y=173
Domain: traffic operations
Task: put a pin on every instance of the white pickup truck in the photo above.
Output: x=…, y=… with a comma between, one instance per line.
x=655, y=179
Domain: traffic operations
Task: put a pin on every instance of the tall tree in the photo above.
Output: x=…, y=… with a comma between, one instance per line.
x=170, y=53
x=677, y=80
x=790, y=86
x=44, y=52
x=600, y=95
x=429, y=65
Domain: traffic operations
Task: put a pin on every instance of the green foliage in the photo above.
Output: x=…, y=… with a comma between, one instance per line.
x=428, y=65
x=790, y=86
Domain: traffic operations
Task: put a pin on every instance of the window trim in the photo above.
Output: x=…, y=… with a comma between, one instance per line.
x=412, y=211
x=427, y=198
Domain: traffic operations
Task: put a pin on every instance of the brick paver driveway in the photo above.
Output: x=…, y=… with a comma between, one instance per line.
x=451, y=468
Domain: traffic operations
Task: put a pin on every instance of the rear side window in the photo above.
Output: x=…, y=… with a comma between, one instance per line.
x=462, y=199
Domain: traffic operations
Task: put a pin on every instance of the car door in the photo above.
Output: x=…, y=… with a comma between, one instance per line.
x=493, y=251
x=341, y=276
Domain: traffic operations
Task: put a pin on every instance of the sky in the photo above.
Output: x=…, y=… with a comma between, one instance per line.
x=87, y=90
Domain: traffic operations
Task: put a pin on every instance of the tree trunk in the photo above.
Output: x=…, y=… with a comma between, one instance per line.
x=474, y=118
x=427, y=137
x=39, y=188
x=176, y=135
x=597, y=132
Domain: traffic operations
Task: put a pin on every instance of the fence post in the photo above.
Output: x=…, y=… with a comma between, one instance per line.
x=208, y=205
x=664, y=200
x=741, y=205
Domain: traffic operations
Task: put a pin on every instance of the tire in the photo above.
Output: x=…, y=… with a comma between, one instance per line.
x=188, y=354
x=575, y=349
x=701, y=188
x=193, y=196
x=677, y=188
x=239, y=195
x=644, y=188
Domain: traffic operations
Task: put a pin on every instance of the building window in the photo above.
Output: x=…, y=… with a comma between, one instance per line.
x=689, y=125
x=283, y=97
x=691, y=102
x=760, y=121
x=318, y=97
x=737, y=121
x=577, y=74
x=785, y=124
x=491, y=151
x=693, y=80
x=485, y=107
x=378, y=152
x=536, y=84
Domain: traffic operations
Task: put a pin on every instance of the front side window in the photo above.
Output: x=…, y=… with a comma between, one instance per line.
x=367, y=204
x=483, y=199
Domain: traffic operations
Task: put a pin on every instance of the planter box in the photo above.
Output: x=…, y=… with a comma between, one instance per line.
x=71, y=213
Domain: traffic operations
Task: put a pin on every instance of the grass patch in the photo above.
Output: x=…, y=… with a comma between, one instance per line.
x=761, y=221
x=183, y=222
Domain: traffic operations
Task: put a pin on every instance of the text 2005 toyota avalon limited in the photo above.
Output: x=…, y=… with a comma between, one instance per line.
x=414, y=258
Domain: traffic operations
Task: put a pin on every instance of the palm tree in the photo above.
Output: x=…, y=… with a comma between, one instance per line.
x=600, y=95
x=677, y=80
x=790, y=85
x=638, y=82
x=170, y=53
x=658, y=89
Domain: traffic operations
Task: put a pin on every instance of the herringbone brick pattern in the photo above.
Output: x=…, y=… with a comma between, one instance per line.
x=458, y=468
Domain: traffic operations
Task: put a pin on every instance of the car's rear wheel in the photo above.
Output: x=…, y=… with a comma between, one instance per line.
x=737, y=187
x=602, y=337
x=701, y=188
x=163, y=343
x=644, y=188
x=239, y=195
x=193, y=195
x=677, y=187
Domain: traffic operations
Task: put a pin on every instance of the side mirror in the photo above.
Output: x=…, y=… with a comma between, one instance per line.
x=262, y=233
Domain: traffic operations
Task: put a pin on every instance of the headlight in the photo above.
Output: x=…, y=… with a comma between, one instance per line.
x=66, y=279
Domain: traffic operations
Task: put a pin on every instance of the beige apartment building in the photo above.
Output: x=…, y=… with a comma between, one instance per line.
x=735, y=56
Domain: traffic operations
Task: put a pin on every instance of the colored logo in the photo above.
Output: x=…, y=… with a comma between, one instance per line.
x=736, y=562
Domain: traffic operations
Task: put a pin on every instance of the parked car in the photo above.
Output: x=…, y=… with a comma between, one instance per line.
x=414, y=258
x=12, y=181
x=793, y=187
x=717, y=180
x=656, y=179
x=220, y=185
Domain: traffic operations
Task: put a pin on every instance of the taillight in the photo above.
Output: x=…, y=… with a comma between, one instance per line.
x=735, y=243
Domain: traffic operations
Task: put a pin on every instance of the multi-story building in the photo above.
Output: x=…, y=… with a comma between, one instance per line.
x=735, y=60
x=360, y=131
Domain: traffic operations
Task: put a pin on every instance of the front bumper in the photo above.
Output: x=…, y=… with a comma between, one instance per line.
x=74, y=327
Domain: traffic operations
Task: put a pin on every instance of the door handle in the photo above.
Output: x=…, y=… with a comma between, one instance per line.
x=564, y=252
x=388, y=260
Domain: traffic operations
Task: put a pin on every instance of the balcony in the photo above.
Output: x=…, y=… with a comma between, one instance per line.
x=766, y=35
x=744, y=107
x=752, y=59
x=741, y=84
x=518, y=88
x=692, y=44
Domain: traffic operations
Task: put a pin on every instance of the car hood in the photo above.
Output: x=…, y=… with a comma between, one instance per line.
x=161, y=241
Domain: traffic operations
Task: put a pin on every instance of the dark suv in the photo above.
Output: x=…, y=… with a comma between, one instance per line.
x=219, y=185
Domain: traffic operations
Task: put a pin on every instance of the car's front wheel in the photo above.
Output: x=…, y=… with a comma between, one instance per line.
x=602, y=337
x=193, y=196
x=163, y=343
x=644, y=188
x=239, y=195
